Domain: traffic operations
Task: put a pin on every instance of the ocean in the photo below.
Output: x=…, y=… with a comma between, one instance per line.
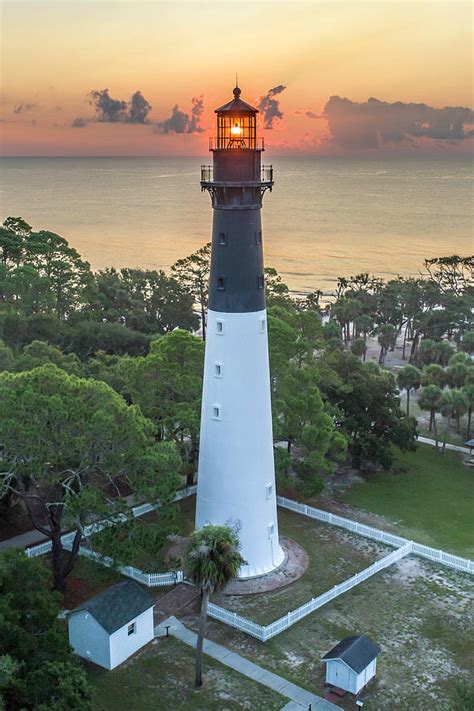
x=325, y=217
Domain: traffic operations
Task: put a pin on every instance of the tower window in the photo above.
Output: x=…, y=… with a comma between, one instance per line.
x=262, y=325
x=220, y=326
x=216, y=412
x=221, y=283
x=269, y=490
x=271, y=530
x=258, y=237
x=260, y=281
x=222, y=238
x=218, y=370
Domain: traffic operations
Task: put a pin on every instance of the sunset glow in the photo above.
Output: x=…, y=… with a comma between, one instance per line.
x=143, y=78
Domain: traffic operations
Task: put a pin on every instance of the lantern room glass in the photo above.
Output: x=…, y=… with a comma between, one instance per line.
x=236, y=131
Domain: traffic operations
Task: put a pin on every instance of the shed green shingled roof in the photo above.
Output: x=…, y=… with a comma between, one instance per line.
x=118, y=605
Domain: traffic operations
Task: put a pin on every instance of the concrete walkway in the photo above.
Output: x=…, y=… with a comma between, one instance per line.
x=454, y=447
x=23, y=540
x=299, y=697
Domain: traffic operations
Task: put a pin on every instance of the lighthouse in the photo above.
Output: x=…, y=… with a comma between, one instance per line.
x=236, y=477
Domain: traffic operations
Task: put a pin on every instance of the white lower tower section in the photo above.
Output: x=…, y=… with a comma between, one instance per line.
x=236, y=481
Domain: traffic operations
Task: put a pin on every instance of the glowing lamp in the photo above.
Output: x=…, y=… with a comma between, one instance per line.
x=236, y=125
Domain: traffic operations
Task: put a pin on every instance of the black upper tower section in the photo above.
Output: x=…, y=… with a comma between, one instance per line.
x=236, y=182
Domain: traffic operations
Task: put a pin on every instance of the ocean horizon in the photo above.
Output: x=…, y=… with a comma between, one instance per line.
x=326, y=217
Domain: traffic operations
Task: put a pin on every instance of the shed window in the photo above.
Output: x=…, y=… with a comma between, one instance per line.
x=222, y=238
x=218, y=370
x=132, y=628
x=258, y=237
x=221, y=283
x=260, y=281
x=216, y=412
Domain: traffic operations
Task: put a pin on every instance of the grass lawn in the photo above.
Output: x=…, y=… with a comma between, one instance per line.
x=334, y=555
x=429, y=497
x=153, y=561
x=161, y=677
x=416, y=611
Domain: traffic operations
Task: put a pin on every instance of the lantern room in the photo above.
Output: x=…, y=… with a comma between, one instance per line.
x=236, y=162
x=236, y=125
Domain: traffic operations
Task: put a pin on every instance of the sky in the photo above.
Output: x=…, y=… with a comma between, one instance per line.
x=95, y=77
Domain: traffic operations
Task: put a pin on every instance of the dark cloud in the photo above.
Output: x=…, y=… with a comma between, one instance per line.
x=181, y=122
x=270, y=107
x=79, y=122
x=23, y=108
x=106, y=108
x=374, y=123
x=110, y=110
x=312, y=115
x=138, y=109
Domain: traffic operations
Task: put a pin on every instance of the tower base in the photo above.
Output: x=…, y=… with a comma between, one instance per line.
x=294, y=565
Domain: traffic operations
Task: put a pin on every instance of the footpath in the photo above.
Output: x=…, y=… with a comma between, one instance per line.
x=299, y=698
x=454, y=447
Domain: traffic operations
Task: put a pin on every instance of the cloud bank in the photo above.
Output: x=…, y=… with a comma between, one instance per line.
x=181, y=122
x=23, y=108
x=109, y=110
x=375, y=123
x=270, y=107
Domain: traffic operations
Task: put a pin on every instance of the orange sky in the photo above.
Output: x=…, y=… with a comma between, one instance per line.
x=55, y=53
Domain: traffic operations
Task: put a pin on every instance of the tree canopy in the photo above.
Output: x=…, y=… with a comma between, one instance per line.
x=38, y=670
x=70, y=448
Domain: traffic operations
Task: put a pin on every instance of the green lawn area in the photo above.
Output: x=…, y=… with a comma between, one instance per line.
x=161, y=677
x=334, y=555
x=418, y=613
x=429, y=497
x=150, y=559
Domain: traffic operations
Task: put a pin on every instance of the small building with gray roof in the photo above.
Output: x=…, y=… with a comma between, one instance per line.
x=352, y=663
x=111, y=626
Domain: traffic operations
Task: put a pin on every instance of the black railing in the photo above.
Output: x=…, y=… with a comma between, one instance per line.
x=266, y=174
x=206, y=173
x=224, y=142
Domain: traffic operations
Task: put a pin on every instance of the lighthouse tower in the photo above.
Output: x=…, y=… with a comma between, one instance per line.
x=236, y=481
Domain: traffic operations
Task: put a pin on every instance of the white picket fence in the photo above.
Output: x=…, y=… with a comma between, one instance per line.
x=149, y=579
x=263, y=633
x=452, y=561
x=98, y=526
x=266, y=632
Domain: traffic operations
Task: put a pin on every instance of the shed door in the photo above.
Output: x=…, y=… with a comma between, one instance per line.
x=341, y=676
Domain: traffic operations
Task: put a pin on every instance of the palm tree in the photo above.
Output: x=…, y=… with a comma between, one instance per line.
x=409, y=378
x=468, y=391
x=359, y=348
x=212, y=560
x=453, y=403
x=387, y=335
x=430, y=400
x=434, y=374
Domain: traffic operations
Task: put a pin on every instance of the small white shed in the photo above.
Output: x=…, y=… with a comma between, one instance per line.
x=352, y=663
x=113, y=625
